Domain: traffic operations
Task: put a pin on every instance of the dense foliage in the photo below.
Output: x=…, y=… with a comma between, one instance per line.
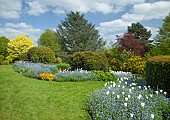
x=162, y=46
x=3, y=48
x=19, y=45
x=157, y=72
x=135, y=65
x=123, y=101
x=104, y=76
x=50, y=39
x=41, y=54
x=88, y=61
x=142, y=34
x=129, y=42
x=116, y=58
x=63, y=66
x=78, y=35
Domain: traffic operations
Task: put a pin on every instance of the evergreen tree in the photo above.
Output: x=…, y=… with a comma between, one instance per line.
x=78, y=35
x=142, y=34
x=50, y=39
x=162, y=46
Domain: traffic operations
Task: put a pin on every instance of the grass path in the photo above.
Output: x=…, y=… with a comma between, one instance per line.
x=23, y=98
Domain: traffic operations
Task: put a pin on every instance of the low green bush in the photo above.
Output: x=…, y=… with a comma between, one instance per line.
x=41, y=54
x=158, y=72
x=104, y=76
x=63, y=66
x=89, y=61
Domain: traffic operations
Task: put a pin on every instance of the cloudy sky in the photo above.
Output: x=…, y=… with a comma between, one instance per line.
x=111, y=17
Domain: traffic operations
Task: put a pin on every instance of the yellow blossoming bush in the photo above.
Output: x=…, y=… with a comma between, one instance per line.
x=135, y=65
x=47, y=76
x=115, y=64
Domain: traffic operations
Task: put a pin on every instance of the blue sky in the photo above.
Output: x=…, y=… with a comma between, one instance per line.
x=111, y=17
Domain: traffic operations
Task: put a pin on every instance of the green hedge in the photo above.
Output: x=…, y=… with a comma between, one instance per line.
x=89, y=61
x=158, y=72
x=41, y=54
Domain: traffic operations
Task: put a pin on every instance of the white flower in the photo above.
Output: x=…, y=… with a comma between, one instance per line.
x=123, y=93
x=123, y=86
x=125, y=83
x=149, y=86
x=126, y=99
x=120, y=81
x=131, y=115
x=152, y=116
x=139, y=97
x=133, y=88
x=151, y=95
x=125, y=104
x=108, y=87
x=142, y=104
x=133, y=83
x=165, y=93
x=105, y=84
x=130, y=90
x=139, y=87
x=146, y=96
x=129, y=96
x=107, y=93
x=118, y=85
x=161, y=91
x=156, y=92
x=113, y=92
x=118, y=96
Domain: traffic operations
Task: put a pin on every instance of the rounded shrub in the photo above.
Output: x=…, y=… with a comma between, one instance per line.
x=158, y=72
x=41, y=54
x=135, y=65
x=58, y=60
x=89, y=61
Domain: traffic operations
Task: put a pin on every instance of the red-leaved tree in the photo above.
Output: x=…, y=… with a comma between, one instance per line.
x=129, y=42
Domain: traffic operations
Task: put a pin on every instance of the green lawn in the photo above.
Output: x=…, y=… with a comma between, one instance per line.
x=23, y=98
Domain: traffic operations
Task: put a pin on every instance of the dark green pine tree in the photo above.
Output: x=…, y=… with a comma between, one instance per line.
x=142, y=34
x=78, y=35
x=163, y=38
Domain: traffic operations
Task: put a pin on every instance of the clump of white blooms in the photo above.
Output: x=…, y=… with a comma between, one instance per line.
x=122, y=101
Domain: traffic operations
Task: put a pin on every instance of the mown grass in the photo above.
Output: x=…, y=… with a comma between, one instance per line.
x=23, y=98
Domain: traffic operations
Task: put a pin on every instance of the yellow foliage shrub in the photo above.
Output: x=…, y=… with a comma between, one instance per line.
x=135, y=65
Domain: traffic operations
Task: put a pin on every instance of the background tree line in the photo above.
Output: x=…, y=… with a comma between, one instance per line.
x=76, y=34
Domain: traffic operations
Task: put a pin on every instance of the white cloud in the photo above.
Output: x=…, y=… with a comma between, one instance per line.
x=114, y=25
x=11, y=30
x=154, y=31
x=10, y=9
x=148, y=11
x=58, y=11
x=35, y=8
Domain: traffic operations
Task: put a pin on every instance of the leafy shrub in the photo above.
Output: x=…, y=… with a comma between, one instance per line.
x=135, y=65
x=104, y=76
x=47, y=76
x=3, y=48
x=19, y=45
x=120, y=101
x=58, y=60
x=41, y=54
x=34, y=69
x=63, y=66
x=158, y=72
x=89, y=61
x=115, y=64
x=76, y=75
